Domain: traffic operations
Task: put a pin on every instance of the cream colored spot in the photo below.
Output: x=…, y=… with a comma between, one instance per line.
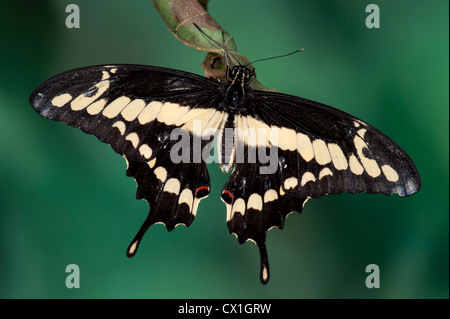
x=253, y=133
x=171, y=112
x=145, y=151
x=321, y=152
x=113, y=70
x=96, y=107
x=150, y=112
x=287, y=139
x=255, y=202
x=151, y=163
x=305, y=147
x=307, y=177
x=290, y=182
x=270, y=195
x=120, y=126
x=262, y=130
x=274, y=136
x=306, y=200
x=390, y=173
x=196, y=120
x=228, y=206
x=238, y=207
x=195, y=206
x=265, y=273
x=213, y=124
x=82, y=101
x=192, y=115
x=359, y=123
x=61, y=99
x=281, y=191
x=133, y=248
x=132, y=110
x=128, y=165
x=186, y=197
x=160, y=173
x=172, y=186
x=370, y=165
x=355, y=166
x=133, y=138
x=105, y=75
x=337, y=156
x=115, y=107
x=361, y=132
x=325, y=172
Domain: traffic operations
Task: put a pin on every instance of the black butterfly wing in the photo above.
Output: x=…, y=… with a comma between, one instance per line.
x=318, y=150
x=255, y=203
x=135, y=109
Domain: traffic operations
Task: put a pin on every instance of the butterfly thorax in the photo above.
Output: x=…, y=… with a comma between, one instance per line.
x=236, y=88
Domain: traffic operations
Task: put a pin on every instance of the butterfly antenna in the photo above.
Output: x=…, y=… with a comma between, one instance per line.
x=275, y=57
x=226, y=58
x=221, y=46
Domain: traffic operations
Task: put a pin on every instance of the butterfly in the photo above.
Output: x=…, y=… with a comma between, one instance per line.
x=281, y=149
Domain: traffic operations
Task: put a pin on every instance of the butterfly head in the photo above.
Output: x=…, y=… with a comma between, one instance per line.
x=241, y=74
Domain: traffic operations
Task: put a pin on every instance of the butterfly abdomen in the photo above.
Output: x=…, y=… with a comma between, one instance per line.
x=226, y=144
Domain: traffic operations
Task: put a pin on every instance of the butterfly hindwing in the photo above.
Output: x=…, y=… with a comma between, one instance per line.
x=173, y=192
x=256, y=202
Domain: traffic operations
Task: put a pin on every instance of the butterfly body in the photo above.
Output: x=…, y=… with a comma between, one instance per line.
x=281, y=149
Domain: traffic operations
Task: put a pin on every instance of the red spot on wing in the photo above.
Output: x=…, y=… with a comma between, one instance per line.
x=202, y=191
x=227, y=196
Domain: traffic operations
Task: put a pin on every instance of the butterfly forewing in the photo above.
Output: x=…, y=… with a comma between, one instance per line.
x=333, y=152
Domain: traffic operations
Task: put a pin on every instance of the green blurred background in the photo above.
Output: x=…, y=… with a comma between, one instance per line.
x=64, y=196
